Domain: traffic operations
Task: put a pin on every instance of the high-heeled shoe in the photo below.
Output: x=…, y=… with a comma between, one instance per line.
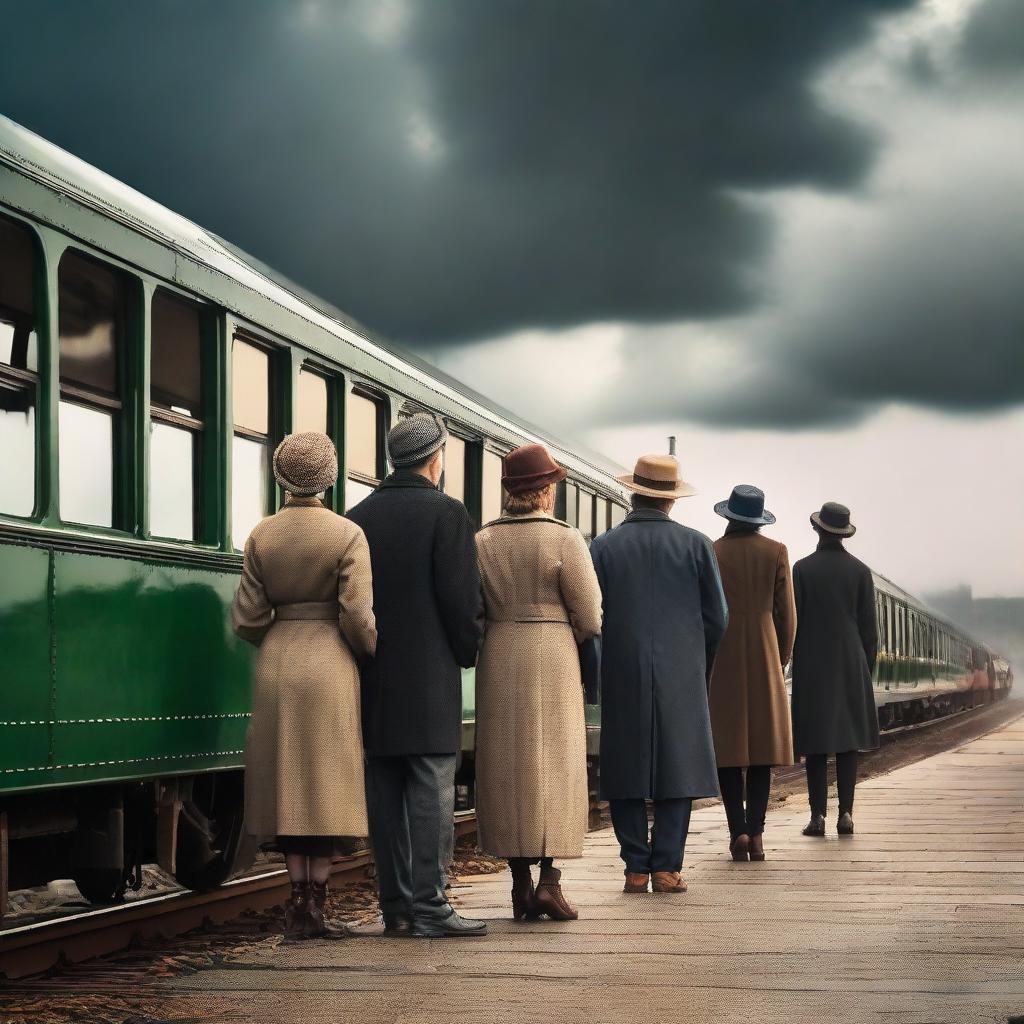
x=756, y=848
x=296, y=913
x=317, y=926
x=816, y=826
x=549, y=898
x=740, y=847
x=524, y=896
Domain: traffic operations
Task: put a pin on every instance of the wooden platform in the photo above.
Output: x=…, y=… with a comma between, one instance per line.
x=918, y=918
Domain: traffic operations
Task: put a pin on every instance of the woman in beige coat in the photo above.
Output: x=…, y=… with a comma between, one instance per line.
x=305, y=601
x=542, y=599
x=749, y=710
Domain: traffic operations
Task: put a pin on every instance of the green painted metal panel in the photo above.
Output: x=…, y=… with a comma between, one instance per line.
x=150, y=678
x=25, y=653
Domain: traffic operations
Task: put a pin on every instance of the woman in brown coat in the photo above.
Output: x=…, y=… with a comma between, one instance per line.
x=305, y=601
x=749, y=711
x=542, y=599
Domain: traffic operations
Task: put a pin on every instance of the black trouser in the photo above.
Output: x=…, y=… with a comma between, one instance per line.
x=663, y=850
x=817, y=781
x=410, y=800
x=747, y=820
x=517, y=864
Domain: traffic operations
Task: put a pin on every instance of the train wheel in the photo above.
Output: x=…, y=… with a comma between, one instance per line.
x=212, y=844
x=101, y=885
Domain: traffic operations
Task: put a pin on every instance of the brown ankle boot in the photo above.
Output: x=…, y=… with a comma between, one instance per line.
x=667, y=881
x=756, y=848
x=549, y=898
x=636, y=882
x=296, y=912
x=318, y=925
x=740, y=847
x=524, y=897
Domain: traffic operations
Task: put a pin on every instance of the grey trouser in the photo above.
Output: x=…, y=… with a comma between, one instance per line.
x=410, y=801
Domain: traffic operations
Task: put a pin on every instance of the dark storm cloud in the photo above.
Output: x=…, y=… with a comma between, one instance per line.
x=472, y=169
x=994, y=36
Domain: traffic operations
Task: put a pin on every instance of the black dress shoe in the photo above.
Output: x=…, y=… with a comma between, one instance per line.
x=845, y=824
x=451, y=926
x=816, y=826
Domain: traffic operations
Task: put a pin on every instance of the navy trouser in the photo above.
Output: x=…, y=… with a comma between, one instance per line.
x=410, y=803
x=663, y=849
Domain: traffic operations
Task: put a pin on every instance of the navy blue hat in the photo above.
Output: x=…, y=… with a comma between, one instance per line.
x=835, y=519
x=745, y=505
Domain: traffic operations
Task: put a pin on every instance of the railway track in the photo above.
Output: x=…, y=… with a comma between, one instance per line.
x=35, y=947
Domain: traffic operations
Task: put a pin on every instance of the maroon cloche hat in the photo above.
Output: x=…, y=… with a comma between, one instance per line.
x=529, y=468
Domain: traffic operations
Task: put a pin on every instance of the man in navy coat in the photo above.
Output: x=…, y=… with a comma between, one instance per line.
x=665, y=614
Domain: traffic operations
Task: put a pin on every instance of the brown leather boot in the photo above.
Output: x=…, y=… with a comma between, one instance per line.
x=636, y=882
x=524, y=897
x=667, y=881
x=756, y=848
x=318, y=925
x=549, y=899
x=296, y=913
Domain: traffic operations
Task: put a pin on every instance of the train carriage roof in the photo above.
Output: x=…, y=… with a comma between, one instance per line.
x=60, y=170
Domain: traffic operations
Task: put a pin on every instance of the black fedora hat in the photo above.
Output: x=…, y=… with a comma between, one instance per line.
x=835, y=519
x=746, y=505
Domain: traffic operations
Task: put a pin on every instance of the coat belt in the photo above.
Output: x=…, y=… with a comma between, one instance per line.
x=531, y=613
x=310, y=610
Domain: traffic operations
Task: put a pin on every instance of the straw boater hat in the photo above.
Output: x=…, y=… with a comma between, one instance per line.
x=835, y=519
x=306, y=463
x=657, y=476
x=745, y=505
x=414, y=439
x=529, y=468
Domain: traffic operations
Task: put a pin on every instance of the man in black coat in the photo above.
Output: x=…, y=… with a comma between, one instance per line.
x=429, y=610
x=833, y=702
x=664, y=615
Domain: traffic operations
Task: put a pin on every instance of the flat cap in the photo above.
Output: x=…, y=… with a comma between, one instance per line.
x=415, y=438
x=306, y=463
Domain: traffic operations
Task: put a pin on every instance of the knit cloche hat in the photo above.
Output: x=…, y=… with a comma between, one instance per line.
x=306, y=463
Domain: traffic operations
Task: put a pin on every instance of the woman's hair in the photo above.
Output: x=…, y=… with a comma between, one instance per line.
x=527, y=501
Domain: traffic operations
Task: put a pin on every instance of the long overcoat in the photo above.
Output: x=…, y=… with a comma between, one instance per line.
x=542, y=599
x=749, y=706
x=305, y=601
x=833, y=702
x=426, y=597
x=664, y=615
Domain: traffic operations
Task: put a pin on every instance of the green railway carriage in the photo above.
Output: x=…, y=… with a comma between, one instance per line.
x=147, y=370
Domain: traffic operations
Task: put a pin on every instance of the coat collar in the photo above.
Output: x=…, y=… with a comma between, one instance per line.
x=300, y=501
x=406, y=478
x=647, y=515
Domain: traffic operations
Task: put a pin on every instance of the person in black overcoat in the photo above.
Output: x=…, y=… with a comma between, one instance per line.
x=664, y=615
x=429, y=610
x=833, y=702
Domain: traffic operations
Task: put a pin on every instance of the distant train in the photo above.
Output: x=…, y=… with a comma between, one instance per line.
x=147, y=370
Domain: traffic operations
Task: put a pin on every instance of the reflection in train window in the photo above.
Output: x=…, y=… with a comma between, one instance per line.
x=455, y=468
x=311, y=406
x=586, y=515
x=176, y=410
x=19, y=381
x=364, y=429
x=492, y=497
x=250, y=452
x=92, y=327
x=572, y=499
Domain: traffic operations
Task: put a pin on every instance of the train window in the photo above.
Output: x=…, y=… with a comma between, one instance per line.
x=455, y=468
x=92, y=326
x=176, y=409
x=604, y=507
x=618, y=514
x=364, y=430
x=586, y=514
x=19, y=381
x=250, y=450
x=492, y=495
x=311, y=406
x=572, y=503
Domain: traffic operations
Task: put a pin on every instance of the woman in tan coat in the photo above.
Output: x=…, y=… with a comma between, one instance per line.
x=749, y=711
x=305, y=601
x=542, y=599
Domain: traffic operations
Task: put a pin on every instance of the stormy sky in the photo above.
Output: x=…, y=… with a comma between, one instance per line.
x=790, y=233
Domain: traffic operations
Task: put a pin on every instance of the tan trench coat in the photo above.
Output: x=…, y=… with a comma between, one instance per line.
x=542, y=598
x=306, y=601
x=749, y=709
